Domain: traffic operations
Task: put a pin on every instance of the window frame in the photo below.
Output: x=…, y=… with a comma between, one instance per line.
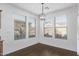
x=51, y=27
x=60, y=27
x=34, y=30
x=25, y=18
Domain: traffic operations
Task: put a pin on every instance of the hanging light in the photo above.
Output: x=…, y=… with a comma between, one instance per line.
x=42, y=15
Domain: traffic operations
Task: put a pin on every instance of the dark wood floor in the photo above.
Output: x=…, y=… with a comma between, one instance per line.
x=42, y=50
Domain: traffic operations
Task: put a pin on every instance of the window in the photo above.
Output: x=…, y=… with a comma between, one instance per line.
x=48, y=28
x=31, y=27
x=61, y=27
x=19, y=28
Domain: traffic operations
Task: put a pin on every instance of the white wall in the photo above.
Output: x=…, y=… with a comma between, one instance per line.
x=7, y=30
x=78, y=35
x=71, y=42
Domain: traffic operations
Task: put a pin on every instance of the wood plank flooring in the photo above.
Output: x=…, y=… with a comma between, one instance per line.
x=42, y=50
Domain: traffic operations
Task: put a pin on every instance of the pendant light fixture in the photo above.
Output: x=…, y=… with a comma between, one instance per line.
x=42, y=15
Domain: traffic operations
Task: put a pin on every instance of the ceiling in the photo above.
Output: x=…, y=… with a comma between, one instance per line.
x=35, y=8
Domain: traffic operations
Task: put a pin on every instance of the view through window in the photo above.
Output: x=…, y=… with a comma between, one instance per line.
x=61, y=27
x=32, y=28
x=19, y=28
x=56, y=27
x=48, y=28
